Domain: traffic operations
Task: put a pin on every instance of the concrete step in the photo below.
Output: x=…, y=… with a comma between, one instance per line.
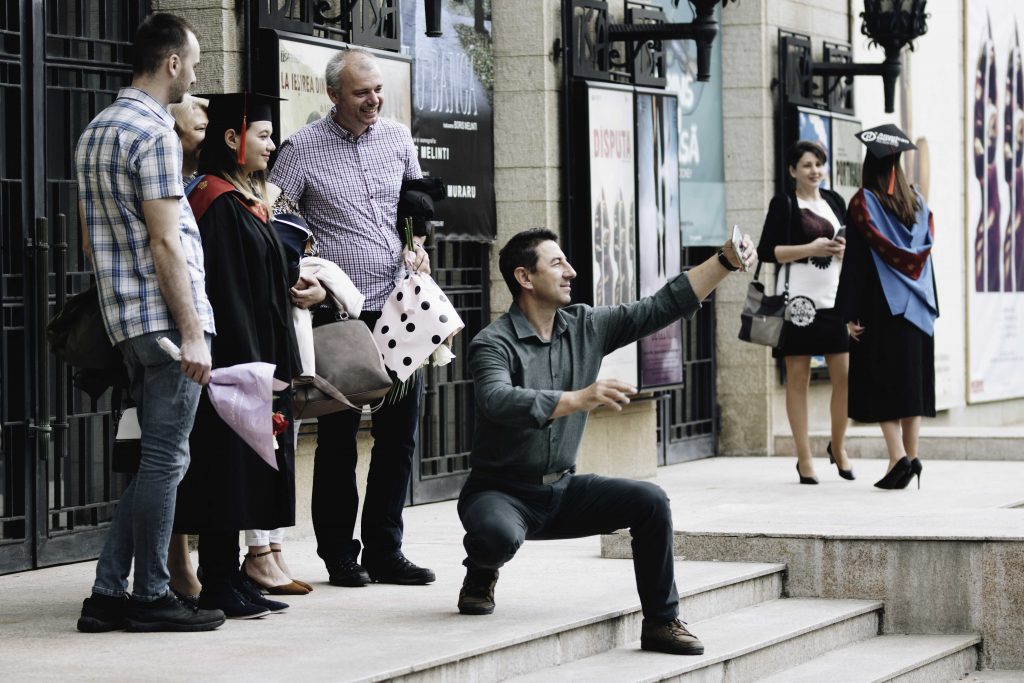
x=902, y=658
x=994, y=677
x=741, y=646
x=936, y=443
x=708, y=590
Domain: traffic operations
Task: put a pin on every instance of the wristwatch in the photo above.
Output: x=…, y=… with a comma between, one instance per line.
x=725, y=262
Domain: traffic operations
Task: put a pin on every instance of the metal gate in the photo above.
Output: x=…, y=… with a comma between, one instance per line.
x=448, y=408
x=688, y=417
x=60, y=64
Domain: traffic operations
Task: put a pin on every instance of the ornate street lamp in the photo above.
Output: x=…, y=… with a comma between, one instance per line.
x=702, y=30
x=892, y=25
x=588, y=38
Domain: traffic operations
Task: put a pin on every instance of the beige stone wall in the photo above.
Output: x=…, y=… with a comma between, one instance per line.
x=748, y=386
x=527, y=168
x=219, y=29
x=528, y=189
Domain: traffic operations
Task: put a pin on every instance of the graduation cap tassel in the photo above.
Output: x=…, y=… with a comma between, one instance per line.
x=892, y=177
x=241, y=142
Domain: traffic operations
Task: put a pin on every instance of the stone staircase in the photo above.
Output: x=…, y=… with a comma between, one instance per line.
x=940, y=443
x=750, y=630
x=782, y=582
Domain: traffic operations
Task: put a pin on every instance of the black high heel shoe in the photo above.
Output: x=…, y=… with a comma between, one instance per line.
x=915, y=471
x=845, y=474
x=898, y=477
x=803, y=479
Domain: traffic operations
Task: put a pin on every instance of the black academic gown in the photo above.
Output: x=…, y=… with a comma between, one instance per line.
x=892, y=367
x=228, y=487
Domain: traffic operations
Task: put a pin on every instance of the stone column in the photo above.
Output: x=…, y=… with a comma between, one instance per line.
x=528, y=189
x=748, y=388
x=527, y=161
x=220, y=32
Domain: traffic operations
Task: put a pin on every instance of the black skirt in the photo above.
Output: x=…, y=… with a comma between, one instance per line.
x=825, y=336
x=892, y=367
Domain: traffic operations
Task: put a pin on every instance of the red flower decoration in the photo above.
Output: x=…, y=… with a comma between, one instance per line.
x=280, y=423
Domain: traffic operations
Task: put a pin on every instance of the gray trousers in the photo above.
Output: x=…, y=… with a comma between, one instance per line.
x=498, y=515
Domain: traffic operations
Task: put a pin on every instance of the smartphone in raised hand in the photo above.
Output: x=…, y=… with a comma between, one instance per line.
x=737, y=244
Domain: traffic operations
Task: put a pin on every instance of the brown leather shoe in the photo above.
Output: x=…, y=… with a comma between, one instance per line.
x=477, y=594
x=670, y=637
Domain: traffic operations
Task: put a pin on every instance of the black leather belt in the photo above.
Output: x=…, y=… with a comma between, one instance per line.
x=545, y=479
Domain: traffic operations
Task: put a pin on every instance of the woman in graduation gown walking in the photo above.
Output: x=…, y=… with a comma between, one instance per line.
x=887, y=296
x=228, y=487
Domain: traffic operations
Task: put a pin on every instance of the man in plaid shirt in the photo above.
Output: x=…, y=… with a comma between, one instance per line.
x=345, y=173
x=148, y=260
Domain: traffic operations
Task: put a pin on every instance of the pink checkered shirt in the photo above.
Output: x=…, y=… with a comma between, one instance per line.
x=347, y=189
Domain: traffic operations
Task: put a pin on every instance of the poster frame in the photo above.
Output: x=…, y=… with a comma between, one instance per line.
x=267, y=75
x=641, y=384
x=581, y=232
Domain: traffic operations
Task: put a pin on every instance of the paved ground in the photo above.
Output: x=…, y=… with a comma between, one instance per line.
x=344, y=634
x=958, y=499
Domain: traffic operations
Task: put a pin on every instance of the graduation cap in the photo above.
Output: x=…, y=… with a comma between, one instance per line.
x=886, y=141
x=235, y=110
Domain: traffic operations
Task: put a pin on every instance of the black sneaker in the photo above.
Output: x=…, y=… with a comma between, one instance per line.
x=226, y=598
x=477, y=594
x=102, y=613
x=347, y=572
x=398, y=569
x=251, y=592
x=190, y=601
x=670, y=637
x=167, y=614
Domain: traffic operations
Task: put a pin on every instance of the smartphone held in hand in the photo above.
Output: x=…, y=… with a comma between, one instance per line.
x=737, y=246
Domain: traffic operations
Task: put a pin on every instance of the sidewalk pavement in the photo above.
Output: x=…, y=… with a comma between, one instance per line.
x=358, y=633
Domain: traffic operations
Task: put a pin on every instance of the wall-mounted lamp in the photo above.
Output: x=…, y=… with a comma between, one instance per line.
x=703, y=30
x=588, y=38
x=890, y=24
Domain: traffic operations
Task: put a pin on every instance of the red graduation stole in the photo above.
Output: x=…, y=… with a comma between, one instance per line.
x=907, y=262
x=211, y=187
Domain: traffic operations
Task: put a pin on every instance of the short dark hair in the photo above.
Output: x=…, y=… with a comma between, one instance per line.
x=158, y=36
x=521, y=250
x=802, y=147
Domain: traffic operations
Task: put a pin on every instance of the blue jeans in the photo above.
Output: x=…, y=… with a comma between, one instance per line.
x=166, y=400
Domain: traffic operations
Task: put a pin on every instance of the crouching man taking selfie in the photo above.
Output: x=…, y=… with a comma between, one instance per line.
x=535, y=374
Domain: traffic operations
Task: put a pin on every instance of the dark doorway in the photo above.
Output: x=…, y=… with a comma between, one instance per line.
x=60, y=64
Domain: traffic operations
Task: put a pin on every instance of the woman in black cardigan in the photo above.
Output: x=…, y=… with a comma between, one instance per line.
x=804, y=234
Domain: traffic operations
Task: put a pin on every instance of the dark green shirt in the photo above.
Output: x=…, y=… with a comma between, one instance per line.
x=518, y=377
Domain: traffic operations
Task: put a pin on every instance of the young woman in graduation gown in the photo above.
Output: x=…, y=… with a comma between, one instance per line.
x=887, y=296
x=228, y=487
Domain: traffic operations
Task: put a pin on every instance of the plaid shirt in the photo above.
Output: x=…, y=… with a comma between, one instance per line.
x=347, y=189
x=129, y=154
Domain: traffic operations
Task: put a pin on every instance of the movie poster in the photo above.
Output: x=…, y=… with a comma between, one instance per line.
x=847, y=156
x=453, y=117
x=613, y=212
x=701, y=157
x=994, y=144
x=657, y=210
x=303, y=85
x=817, y=127
x=933, y=73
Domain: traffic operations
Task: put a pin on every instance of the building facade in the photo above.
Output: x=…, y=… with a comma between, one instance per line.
x=500, y=114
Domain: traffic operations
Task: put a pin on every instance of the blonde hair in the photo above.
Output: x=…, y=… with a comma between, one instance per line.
x=182, y=111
